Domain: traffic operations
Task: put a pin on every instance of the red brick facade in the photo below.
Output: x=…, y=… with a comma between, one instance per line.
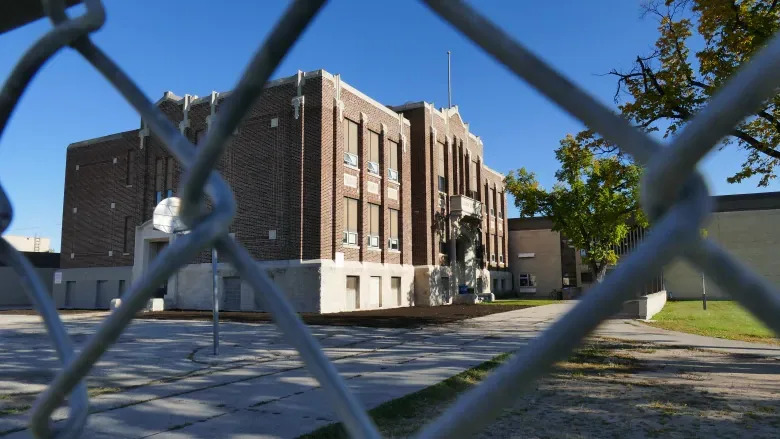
x=433, y=130
x=285, y=164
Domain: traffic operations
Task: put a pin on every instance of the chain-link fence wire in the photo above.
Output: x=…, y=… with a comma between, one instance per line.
x=674, y=196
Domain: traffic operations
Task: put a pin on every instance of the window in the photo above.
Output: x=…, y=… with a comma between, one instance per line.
x=473, y=179
x=159, y=179
x=130, y=168
x=501, y=259
x=350, y=220
x=392, y=172
x=492, y=257
x=441, y=167
x=120, y=288
x=128, y=236
x=163, y=178
x=373, y=225
x=169, y=177
x=526, y=280
x=442, y=245
x=350, y=143
x=442, y=200
x=492, y=202
x=393, y=242
x=373, y=152
x=353, y=292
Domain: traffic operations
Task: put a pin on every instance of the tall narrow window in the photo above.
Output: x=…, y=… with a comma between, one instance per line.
x=130, y=167
x=473, y=179
x=159, y=179
x=441, y=168
x=492, y=202
x=373, y=225
x=373, y=152
x=169, y=177
x=127, y=241
x=393, y=168
x=350, y=221
x=393, y=242
x=350, y=142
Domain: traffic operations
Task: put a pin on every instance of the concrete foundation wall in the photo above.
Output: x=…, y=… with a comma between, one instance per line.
x=500, y=283
x=750, y=236
x=644, y=307
x=311, y=286
x=90, y=288
x=12, y=292
x=430, y=287
x=333, y=296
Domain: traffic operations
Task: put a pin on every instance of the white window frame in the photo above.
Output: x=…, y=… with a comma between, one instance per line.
x=350, y=159
x=530, y=280
x=392, y=174
x=392, y=244
x=350, y=238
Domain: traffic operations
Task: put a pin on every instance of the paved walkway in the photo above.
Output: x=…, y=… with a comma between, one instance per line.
x=257, y=387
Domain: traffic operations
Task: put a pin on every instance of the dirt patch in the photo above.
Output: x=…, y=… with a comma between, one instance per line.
x=32, y=312
x=610, y=388
x=409, y=317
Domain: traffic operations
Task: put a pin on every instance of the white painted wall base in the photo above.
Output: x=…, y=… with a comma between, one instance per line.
x=644, y=307
x=433, y=285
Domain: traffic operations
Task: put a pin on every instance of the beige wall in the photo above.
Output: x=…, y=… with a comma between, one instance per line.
x=545, y=263
x=27, y=243
x=751, y=236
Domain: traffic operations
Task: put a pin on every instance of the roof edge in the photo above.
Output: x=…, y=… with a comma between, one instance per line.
x=99, y=139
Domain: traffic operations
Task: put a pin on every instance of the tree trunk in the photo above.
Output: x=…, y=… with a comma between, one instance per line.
x=601, y=271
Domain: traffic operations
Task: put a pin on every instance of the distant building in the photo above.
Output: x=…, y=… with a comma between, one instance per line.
x=29, y=243
x=746, y=225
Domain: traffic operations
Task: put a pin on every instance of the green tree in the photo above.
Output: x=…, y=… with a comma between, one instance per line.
x=593, y=203
x=664, y=89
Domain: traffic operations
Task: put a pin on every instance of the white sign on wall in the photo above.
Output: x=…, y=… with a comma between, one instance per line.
x=57, y=277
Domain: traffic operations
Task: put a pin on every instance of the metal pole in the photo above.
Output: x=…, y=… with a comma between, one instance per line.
x=703, y=293
x=449, y=82
x=215, y=304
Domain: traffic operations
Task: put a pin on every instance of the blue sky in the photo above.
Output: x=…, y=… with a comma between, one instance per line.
x=393, y=51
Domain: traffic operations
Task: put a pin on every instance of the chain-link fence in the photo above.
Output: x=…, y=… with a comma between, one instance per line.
x=674, y=196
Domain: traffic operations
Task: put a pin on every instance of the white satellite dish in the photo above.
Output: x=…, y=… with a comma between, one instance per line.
x=166, y=216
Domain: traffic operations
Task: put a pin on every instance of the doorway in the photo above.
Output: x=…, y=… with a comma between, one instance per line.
x=155, y=248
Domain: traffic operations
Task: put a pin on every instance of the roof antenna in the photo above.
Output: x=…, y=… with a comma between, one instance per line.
x=449, y=81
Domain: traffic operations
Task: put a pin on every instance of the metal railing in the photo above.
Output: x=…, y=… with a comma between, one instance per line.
x=674, y=196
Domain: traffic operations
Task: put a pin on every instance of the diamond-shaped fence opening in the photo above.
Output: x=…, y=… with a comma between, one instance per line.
x=674, y=195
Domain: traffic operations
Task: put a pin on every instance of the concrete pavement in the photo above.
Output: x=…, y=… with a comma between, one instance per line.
x=258, y=387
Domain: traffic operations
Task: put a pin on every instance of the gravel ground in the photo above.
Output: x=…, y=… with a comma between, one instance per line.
x=631, y=390
x=644, y=391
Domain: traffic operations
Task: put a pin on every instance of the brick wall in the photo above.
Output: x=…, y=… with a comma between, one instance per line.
x=369, y=117
x=287, y=178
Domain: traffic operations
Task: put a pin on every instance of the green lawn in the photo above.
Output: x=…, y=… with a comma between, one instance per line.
x=522, y=302
x=722, y=319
